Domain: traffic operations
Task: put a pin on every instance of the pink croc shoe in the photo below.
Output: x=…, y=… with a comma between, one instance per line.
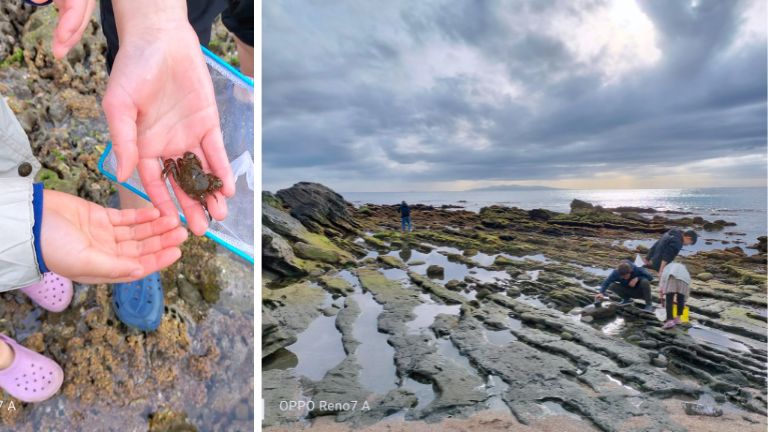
x=31, y=377
x=53, y=293
x=669, y=324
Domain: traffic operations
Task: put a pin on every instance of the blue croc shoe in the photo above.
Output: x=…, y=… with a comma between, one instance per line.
x=139, y=304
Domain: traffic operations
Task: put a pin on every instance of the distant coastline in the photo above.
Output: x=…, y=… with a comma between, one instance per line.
x=510, y=188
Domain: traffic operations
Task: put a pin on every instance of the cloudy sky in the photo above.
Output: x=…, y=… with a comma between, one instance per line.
x=451, y=95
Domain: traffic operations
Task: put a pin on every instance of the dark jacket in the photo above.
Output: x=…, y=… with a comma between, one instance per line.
x=405, y=211
x=637, y=272
x=665, y=249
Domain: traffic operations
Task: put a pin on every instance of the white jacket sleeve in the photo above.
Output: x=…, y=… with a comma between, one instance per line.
x=18, y=262
x=16, y=158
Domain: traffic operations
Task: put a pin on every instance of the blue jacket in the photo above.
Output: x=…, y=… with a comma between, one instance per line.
x=405, y=211
x=637, y=272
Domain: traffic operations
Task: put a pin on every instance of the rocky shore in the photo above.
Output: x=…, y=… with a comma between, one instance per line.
x=482, y=321
x=196, y=371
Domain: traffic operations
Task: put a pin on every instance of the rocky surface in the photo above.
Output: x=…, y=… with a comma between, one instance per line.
x=490, y=314
x=196, y=371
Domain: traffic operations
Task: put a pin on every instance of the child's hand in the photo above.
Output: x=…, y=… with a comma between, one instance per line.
x=74, y=16
x=88, y=243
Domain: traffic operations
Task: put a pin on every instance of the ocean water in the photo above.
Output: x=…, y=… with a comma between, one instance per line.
x=744, y=206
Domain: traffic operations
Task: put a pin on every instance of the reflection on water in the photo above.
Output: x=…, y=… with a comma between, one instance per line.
x=395, y=274
x=716, y=337
x=447, y=349
x=424, y=392
x=614, y=327
x=496, y=388
x=375, y=356
x=318, y=348
x=484, y=259
x=549, y=408
x=426, y=313
x=280, y=359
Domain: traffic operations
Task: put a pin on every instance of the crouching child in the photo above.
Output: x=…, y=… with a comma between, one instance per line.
x=629, y=281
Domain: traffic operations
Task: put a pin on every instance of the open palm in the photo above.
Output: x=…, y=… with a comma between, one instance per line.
x=88, y=243
x=159, y=104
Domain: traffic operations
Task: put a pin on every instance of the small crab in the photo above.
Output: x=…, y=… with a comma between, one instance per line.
x=189, y=175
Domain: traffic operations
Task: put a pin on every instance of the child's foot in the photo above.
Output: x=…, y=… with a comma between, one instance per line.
x=53, y=293
x=677, y=321
x=31, y=377
x=139, y=304
x=669, y=324
x=649, y=308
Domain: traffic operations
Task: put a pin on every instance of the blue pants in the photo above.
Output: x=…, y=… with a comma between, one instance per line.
x=406, y=220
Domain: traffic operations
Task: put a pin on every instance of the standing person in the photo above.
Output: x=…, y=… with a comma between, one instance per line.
x=405, y=216
x=629, y=281
x=675, y=282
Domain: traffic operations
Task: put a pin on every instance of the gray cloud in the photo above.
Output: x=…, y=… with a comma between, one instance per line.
x=357, y=94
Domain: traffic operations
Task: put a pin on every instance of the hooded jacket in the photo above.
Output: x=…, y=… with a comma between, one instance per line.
x=666, y=248
x=18, y=167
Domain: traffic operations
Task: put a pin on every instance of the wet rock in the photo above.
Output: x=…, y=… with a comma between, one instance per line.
x=502, y=261
x=167, y=420
x=647, y=344
x=659, y=361
x=190, y=293
x=280, y=385
x=295, y=306
x=709, y=226
x=435, y=271
x=761, y=244
x=448, y=296
x=566, y=336
x=319, y=208
x=540, y=214
x=704, y=276
x=331, y=310
x=603, y=311
x=282, y=223
x=579, y=206
x=315, y=253
x=35, y=342
x=695, y=409
x=336, y=285
x=415, y=263
x=277, y=254
x=376, y=243
x=391, y=262
x=454, y=285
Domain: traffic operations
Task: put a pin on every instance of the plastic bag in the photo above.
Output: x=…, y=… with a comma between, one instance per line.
x=639, y=261
x=234, y=97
